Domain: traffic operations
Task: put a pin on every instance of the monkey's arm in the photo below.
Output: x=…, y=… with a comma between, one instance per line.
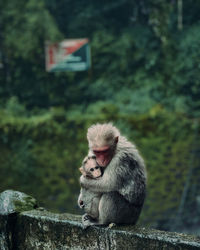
x=100, y=185
x=133, y=186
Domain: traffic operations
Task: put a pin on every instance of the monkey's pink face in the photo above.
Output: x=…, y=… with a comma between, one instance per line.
x=103, y=155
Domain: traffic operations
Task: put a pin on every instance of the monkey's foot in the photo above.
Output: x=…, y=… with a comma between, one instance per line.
x=111, y=225
x=87, y=221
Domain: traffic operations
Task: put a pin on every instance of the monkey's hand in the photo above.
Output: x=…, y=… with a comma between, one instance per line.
x=80, y=201
x=81, y=204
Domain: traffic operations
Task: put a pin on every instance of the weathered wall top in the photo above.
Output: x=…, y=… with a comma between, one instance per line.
x=36, y=229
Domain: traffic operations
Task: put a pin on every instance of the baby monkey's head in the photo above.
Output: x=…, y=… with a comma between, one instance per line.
x=91, y=168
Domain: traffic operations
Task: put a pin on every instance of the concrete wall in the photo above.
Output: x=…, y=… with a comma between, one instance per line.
x=40, y=229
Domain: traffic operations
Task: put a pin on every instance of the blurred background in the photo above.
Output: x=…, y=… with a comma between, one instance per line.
x=145, y=78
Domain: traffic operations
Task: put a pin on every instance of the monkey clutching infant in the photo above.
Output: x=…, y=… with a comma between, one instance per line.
x=121, y=188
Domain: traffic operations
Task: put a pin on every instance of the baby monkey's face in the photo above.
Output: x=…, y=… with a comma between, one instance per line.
x=92, y=168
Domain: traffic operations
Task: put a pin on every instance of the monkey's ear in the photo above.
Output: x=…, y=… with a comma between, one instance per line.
x=116, y=139
x=81, y=170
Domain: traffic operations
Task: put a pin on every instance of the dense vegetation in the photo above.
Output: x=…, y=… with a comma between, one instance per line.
x=144, y=77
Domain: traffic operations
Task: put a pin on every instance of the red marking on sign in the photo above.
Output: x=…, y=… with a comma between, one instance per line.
x=51, y=57
x=70, y=50
x=56, y=53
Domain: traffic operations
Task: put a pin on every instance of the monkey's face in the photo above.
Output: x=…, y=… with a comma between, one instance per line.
x=102, y=141
x=103, y=155
x=95, y=172
x=92, y=169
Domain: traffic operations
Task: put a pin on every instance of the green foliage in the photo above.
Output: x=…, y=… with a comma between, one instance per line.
x=136, y=48
x=25, y=26
x=14, y=108
x=26, y=23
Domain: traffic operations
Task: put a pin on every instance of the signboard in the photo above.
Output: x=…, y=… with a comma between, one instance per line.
x=68, y=55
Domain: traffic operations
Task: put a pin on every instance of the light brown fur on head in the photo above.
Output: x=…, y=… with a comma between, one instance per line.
x=99, y=135
x=90, y=168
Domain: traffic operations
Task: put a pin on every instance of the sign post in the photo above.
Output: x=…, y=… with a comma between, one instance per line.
x=68, y=55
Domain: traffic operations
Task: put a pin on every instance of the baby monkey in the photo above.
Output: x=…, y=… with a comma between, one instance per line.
x=90, y=168
x=89, y=201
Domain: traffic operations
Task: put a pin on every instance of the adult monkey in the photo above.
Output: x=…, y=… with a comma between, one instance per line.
x=123, y=183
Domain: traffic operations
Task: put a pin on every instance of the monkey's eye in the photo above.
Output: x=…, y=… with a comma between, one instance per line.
x=97, y=167
x=100, y=152
x=91, y=169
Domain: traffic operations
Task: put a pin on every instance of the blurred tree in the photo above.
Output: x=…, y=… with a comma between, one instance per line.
x=25, y=25
x=134, y=45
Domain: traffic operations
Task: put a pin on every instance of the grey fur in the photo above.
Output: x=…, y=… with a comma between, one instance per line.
x=123, y=186
x=90, y=202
